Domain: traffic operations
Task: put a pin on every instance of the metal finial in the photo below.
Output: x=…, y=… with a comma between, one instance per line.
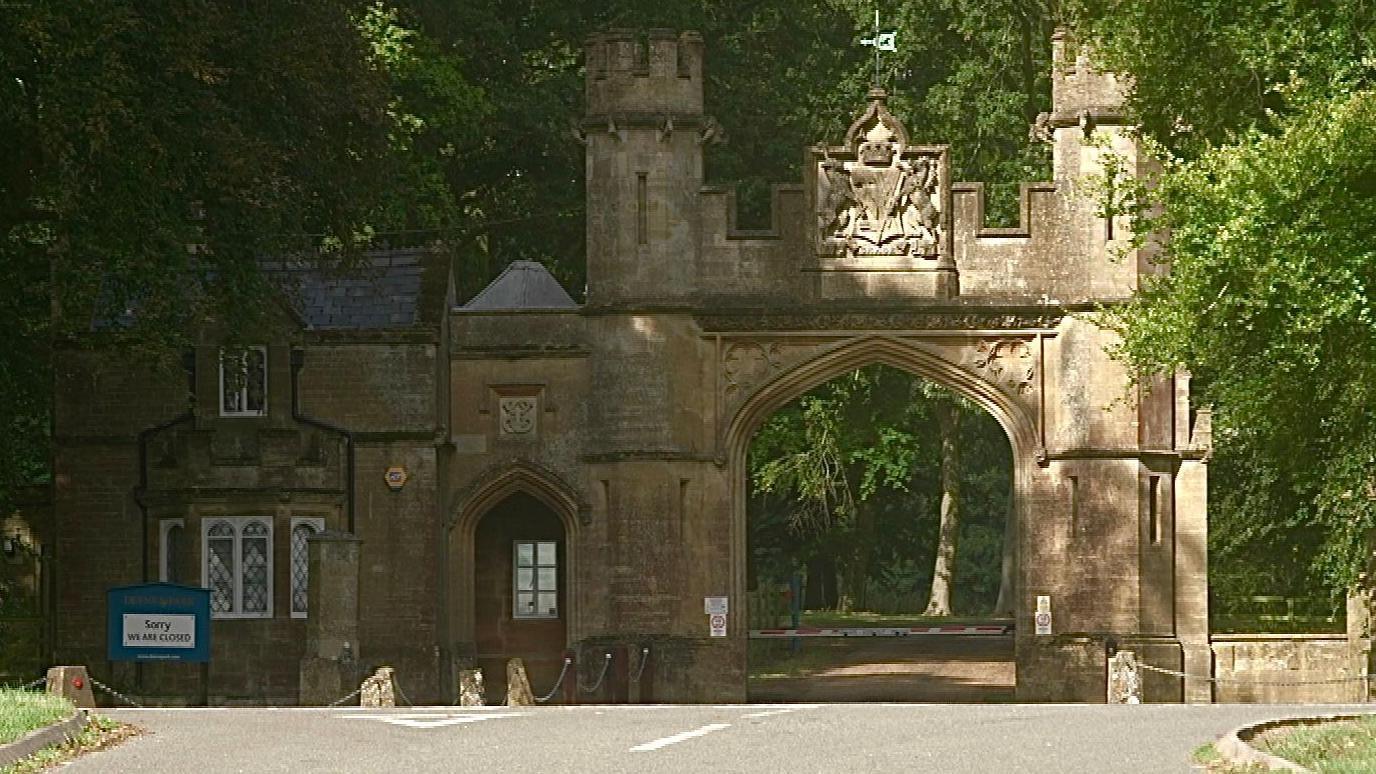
x=882, y=41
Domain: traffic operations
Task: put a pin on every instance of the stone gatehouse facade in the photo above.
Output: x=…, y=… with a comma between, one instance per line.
x=407, y=478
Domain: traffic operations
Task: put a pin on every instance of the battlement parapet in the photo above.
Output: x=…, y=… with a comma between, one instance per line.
x=1082, y=94
x=657, y=72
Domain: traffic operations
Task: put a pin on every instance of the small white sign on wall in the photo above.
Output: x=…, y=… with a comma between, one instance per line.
x=1042, y=618
x=149, y=630
x=715, y=605
x=718, y=624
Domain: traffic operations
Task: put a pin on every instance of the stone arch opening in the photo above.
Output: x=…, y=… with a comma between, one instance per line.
x=500, y=537
x=1016, y=421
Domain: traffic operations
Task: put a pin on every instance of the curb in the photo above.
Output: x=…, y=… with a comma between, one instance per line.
x=34, y=741
x=1235, y=745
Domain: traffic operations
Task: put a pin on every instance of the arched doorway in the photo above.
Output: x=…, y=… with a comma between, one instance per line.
x=1015, y=411
x=878, y=524
x=520, y=577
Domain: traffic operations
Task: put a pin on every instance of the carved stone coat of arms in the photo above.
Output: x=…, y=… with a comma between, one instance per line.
x=879, y=197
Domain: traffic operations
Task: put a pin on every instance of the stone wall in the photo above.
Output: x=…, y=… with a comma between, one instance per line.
x=124, y=456
x=1254, y=668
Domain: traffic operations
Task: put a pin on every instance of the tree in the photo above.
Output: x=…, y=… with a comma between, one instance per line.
x=154, y=155
x=948, y=420
x=1264, y=117
x=270, y=129
x=852, y=477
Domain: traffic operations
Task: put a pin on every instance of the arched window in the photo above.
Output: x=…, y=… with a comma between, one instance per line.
x=238, y=567
x=301, y=530
x=173, y=549
x=244, y=382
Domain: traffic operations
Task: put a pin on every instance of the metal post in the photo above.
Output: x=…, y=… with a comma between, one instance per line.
x=571, y=677
x=647, y=678
x=795, y=609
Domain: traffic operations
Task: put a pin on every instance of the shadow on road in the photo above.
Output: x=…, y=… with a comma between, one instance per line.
x=942, y=668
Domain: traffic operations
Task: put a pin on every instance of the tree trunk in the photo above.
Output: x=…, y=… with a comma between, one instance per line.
x=1007, y=587
x=859, y=571
x=948, y=418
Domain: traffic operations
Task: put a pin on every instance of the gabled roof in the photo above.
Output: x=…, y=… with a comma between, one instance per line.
x=388, y=289
x=522, y=285
x=393, y=289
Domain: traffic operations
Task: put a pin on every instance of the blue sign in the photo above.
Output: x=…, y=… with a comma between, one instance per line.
x=158, y=622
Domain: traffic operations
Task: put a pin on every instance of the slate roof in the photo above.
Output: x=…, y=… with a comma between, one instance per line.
x=522, y=285
x=393, y=289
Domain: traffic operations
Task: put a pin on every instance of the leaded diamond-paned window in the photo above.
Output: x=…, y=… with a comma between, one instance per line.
x=238, y=567
x=255, y=579
x=219, y=566
x=301, y=530
x=536, y=579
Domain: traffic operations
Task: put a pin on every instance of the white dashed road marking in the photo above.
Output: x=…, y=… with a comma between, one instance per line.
x=430, y=720
x=676, y=738
x=767, y=713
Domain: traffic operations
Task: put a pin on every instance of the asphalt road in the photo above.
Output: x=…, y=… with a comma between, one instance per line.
x=737, y=738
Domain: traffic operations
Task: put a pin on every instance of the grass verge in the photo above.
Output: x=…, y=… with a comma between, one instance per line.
x=1339, y=747
x=100, y=733
x=1207, y=756
x=25, y=711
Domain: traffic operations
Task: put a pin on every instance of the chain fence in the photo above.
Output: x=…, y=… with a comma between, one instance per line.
x=114, y=693
x=606, y=665
x=644, y=659
x=1242, y=681
x=557, y=683
x=345, y=698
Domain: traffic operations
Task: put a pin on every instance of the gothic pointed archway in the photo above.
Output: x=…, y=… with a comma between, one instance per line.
x=513, y=508
x=1013, y=409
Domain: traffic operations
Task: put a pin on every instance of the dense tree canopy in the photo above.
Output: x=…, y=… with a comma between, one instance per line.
x=1264, y=117
x=152, y=154
x=133, y=132
x=846, y=481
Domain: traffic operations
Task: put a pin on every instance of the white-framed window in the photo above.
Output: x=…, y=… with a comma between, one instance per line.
x=535, y=579
x=171, y=547
x=237, y=566
x=244, y=383
x=301, y=530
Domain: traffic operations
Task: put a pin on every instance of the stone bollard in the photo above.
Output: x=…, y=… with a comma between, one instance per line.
x=518, y=693
x=73, y=683
x=471, y=688
x=1124, y=682
x=378, y=691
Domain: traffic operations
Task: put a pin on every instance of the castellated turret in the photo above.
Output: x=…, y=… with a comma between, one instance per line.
x=1084, y=100
x=644, y=128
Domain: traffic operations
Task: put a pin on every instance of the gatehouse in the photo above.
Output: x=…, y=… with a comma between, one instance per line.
x=408, y=478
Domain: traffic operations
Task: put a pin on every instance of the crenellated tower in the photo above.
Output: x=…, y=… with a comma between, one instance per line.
x=643, y=130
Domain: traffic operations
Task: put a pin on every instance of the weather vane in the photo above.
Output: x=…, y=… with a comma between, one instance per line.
x=882, y=41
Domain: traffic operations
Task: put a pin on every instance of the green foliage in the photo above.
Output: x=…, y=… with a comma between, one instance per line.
x=851, y=470
x=1334, y=747
x=1207, y=70
x=25, y=711
x=1264, y=117
x=271, y=129
x=154, y=154
x=1269, y=302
